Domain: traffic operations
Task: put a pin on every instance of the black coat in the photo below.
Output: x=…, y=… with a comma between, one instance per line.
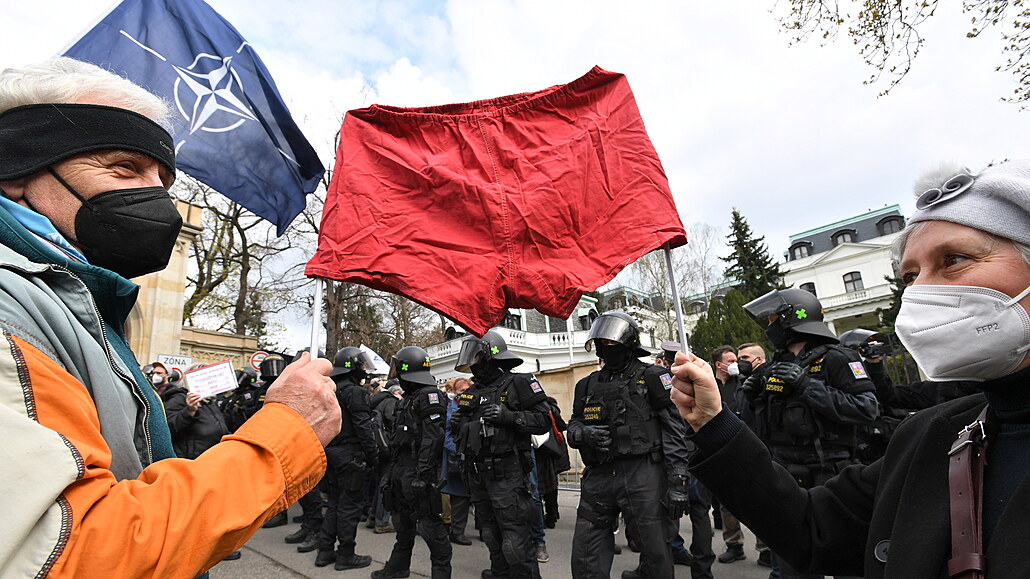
x=192, y=435
x=896, y=509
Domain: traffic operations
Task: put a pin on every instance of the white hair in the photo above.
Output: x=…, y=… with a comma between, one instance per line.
x=66, y=80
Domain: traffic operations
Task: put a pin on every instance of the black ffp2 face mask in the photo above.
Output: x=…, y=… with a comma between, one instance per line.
x=131, y=232
x=746, y=367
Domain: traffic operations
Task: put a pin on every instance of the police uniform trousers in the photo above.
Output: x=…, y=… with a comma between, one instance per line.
x=504, y=506
x=312, y=506
x=408, y=511
x=636, y=486
x=344, y=483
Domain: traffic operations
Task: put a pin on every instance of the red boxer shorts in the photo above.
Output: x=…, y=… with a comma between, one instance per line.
x=523, y=201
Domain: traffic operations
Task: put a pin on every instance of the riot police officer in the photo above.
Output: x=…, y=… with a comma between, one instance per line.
x=413, y=490
x=240, y=398
x=810, y=399
x=632, y=440
x=350, y=456
x=492, y=426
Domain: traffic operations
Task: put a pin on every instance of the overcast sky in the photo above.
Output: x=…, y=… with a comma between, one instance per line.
x=740, y=119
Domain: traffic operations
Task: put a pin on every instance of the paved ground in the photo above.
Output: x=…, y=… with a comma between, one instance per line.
x=266, y=555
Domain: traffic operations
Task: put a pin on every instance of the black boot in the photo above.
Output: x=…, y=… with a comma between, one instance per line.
x=352, y=562
x=309, y=544
x=297, y=536
x=324, y=558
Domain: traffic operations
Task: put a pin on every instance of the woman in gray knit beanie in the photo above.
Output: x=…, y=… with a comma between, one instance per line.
x=950, y=497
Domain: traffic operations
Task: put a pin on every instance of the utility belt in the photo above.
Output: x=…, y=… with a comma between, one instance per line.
x=613, y=461
x=496, y=467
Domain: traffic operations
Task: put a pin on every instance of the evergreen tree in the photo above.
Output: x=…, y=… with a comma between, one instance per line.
x=726, y=323
x=750, y=264
x=889, y=314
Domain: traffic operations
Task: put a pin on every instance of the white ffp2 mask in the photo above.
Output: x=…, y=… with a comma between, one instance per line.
x=959, y=332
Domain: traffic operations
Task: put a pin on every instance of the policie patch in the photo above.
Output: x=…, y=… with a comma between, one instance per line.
x=593, y=413
x=666, y=381
x=858, y=370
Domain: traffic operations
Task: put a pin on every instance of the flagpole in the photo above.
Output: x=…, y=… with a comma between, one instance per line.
x=316, y=317
x=675, y=297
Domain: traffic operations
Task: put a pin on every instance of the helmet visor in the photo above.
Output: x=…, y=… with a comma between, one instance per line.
x=764, y=308
x=366, y=363
x=610, y=328
x=395, y=368
x=472, y=351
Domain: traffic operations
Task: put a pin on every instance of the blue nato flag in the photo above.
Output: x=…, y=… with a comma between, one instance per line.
x=233, y=131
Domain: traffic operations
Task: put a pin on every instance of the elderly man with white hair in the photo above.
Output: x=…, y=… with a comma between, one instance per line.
x=89, y=485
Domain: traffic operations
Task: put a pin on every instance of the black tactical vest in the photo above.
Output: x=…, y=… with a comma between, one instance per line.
x=479, y=438
x=790, y=421
x=625, y=407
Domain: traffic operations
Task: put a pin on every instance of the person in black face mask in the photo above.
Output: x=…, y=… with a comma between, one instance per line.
x=492, y=428
x=109, y=204
x=809, y=401
x=633, y=442
x=412, y=490
x=85, y=166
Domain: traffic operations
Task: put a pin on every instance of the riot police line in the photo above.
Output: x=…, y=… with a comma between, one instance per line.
x=628, y=434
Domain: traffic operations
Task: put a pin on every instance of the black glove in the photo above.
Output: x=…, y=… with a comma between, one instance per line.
x=789, y=374
x=498, y=413
x=596, y=436
x=419, y=486
x=677, y=497
x=753, y=387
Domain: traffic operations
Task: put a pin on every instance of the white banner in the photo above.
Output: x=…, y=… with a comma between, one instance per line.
x=381, y=366
x=212, y=379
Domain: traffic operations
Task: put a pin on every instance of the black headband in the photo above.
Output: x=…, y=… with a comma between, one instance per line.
x=34, y=137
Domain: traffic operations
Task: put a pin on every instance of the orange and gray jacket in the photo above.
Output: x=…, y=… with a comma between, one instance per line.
x=86, y=488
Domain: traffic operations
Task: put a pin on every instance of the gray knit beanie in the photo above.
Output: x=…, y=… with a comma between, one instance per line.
x=997, y=200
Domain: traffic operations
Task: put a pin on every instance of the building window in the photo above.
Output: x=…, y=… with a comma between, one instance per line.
x=809, y=287
x=696, y=308
x=800, y=250
x=846, y=236
x=853, y=282
x=513, y=321
x=890, y=225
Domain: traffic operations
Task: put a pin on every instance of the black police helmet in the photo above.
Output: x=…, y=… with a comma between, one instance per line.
x=410, y=365
x=798, y=310
x=246, y=376
x=867, y=342
x=618, y=327
x=854, y=339
x=296, y=356
x=272, y=366
x=490, y=348
x=351, y=359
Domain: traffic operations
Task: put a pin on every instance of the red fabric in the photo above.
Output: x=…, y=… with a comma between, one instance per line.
x=523, y=201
